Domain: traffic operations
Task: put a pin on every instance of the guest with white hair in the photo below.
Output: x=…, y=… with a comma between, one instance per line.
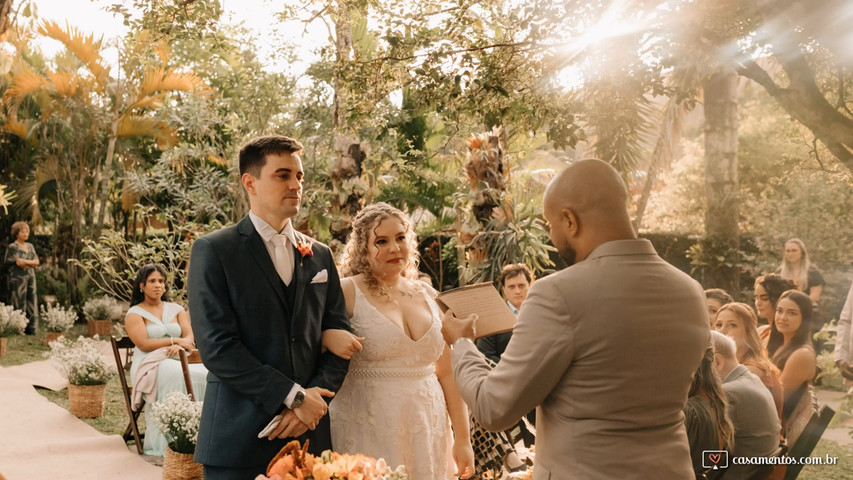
x=844, y=342
x=751, y=409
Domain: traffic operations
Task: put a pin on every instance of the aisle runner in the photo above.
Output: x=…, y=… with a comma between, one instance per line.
x=40, y=440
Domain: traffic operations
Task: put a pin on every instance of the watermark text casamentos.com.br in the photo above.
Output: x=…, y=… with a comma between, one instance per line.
x=719, y=459
x=785, y=460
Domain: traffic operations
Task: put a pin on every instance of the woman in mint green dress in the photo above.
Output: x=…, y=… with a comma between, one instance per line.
x=160, y=328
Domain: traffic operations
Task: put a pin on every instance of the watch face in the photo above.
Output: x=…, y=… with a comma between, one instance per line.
x=298, y=399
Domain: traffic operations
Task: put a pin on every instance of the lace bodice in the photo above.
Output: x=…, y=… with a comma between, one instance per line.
x=391, y=404
x=386, y=346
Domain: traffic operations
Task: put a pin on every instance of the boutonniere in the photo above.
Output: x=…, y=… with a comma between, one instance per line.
x=305, y=250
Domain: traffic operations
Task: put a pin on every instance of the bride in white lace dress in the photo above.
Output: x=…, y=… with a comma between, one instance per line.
x=400, y=391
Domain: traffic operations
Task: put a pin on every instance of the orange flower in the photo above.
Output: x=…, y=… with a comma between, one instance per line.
x=305, y=249
x=282, y=467
x=322, y=471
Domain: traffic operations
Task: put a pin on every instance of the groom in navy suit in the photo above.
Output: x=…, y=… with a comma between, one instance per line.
x=260, y=297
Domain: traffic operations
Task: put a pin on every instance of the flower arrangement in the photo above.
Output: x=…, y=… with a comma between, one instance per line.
x=12, y=321
x=57, y=319
x=294, y=463
x=101, y=308
x=178, y=417
x=82, y=361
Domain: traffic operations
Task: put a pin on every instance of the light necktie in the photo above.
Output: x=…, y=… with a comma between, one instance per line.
x=283, y=258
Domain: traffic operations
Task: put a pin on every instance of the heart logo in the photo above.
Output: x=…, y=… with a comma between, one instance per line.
x=714, y=457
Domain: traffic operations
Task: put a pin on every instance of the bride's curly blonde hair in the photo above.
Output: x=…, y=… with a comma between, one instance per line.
x=355, y=259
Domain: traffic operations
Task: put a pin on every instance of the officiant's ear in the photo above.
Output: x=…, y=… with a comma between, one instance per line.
x=571, y=221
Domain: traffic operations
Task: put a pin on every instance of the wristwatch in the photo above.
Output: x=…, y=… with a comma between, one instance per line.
x=298, y=399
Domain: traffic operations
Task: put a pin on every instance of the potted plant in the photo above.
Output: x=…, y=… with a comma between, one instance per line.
x=87, y=373
x=12, y=322
x=56, y=320
x=178, y=417
x=99, y=313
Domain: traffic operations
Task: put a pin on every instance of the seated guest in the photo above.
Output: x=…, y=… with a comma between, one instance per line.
x=768, y=289
x=751, y=409
x=705, y=415
x=716, y=298
x=797, y=267
x=737, y=321
x=159, y=329
x=790, y=347
x=844, y=340
x=515, y=282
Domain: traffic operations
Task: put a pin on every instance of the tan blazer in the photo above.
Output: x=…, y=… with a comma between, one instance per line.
x=605, y=350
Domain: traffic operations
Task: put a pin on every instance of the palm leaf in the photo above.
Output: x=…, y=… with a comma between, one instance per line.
x=165, y=80
x=152, y=102
x=66, y=83
x=139, y=126
x=17, y=128
x=83, y=46
x=24, y=83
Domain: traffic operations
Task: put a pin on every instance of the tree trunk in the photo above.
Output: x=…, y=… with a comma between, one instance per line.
x=720, y=248
x=5, y=23
x=345, y=204
x=105, y=178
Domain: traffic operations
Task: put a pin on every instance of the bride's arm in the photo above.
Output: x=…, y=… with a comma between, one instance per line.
x=463, y=454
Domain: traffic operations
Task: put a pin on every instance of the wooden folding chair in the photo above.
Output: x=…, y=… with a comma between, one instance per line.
x=805, y=442
x=188, y=381
x=132, y=430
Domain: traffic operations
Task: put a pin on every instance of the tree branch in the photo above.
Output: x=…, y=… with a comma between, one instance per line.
x=754, y=72
x=389, y=58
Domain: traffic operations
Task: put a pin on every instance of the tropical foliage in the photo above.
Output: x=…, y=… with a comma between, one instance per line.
x=391, y=108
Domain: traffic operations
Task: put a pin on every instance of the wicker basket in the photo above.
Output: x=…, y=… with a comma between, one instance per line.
x=3, y=346
x=51, y=336
x=101, y=328
x=180, y=466
x=87, y=401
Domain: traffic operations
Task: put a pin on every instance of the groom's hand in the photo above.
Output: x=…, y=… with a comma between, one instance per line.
x=290, y=426
x=314, y=407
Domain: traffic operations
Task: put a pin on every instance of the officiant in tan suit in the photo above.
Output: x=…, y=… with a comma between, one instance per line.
x=605, y=349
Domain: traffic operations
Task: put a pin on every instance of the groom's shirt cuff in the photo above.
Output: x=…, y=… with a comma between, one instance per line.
x=288, y=400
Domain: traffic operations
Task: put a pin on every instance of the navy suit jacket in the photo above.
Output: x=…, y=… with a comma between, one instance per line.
x=257, y=337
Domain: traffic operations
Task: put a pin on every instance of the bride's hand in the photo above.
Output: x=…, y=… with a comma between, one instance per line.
x=463, y=456
x=341, y=342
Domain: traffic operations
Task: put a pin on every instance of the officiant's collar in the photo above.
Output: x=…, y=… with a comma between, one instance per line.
x=267, y=232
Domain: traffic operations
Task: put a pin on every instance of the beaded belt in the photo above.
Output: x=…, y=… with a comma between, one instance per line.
x=392, y=372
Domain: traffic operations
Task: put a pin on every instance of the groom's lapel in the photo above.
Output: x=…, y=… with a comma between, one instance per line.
x=303, y=267
x=256, y=247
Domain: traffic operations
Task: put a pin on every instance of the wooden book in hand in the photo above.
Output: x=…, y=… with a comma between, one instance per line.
x=482, y=299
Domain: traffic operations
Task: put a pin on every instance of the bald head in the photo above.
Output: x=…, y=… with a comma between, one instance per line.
x=589, y=187
x=587, y=205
